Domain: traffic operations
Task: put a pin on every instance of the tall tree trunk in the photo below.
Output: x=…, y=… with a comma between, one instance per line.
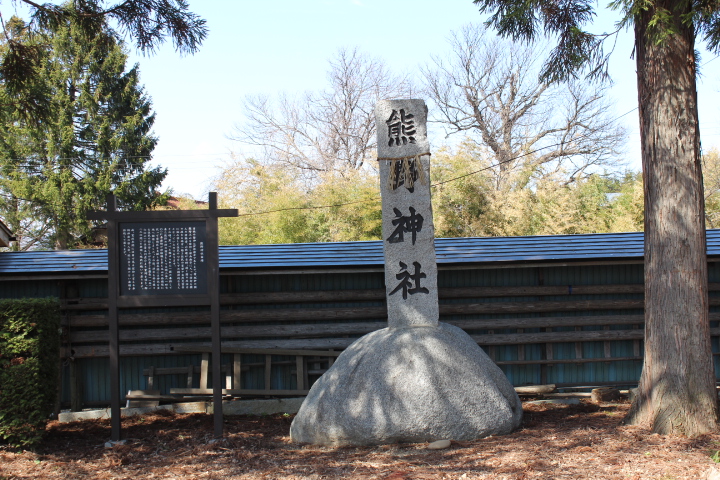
x=677, y=386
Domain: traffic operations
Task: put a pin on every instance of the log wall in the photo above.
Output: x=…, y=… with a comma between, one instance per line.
x=562, y=324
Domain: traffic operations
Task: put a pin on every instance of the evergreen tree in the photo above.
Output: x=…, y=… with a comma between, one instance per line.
x=94, y=139
x=148, y=23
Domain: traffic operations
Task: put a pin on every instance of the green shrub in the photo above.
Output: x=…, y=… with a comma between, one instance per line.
x=29, y=355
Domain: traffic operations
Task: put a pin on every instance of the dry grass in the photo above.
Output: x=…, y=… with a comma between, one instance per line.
x=555, y=442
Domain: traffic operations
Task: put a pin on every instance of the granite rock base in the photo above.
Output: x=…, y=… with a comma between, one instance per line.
x=414, y=384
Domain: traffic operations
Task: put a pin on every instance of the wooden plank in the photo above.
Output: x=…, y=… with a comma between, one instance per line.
x=491, y=350
x=520, y=348
x=578, y=345
x=355, y=313
x=316, y=345
x=164, y=301
x=164, y=398
x=329, y=330
x=568, y=395
x=535, y=389
x=557, y=337
x=549, y=351
x=238, y=392
x=177, y=370
x=314, y=296
x=606, y=345
x=142, y=398
x=568, y=361
x=334, y=296
x=189, y=379
x=544, y=322
x=318, y=296
x=636, y=344
x=261, y=351
x=76, y=387
x=204, y=364
x=300, y=372
x=188, y=333
x=367, y=313
x=268, y=371
x=493, y=308
x=233, y=316
x=539, y=290
x=151, y=378
x=341, y=343
x=92, y=351
x=237, y=370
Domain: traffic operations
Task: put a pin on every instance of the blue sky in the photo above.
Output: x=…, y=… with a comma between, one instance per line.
x=284, y=46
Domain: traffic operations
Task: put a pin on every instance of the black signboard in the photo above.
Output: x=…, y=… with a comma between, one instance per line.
x=164, y=258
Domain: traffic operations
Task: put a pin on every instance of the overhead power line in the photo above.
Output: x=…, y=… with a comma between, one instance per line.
x=266, y=212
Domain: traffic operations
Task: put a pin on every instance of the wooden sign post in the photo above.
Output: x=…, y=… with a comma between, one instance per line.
x=163, y=258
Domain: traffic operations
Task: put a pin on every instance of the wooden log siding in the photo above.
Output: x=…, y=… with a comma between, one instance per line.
x=332, y=327
x=361, y=328
x=339, y=314
x=79, y=304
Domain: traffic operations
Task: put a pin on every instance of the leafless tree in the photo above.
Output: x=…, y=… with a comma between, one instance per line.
x=489, y=89
x=331, y=129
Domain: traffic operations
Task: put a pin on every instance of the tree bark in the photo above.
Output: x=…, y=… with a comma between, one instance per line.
x=677, y=385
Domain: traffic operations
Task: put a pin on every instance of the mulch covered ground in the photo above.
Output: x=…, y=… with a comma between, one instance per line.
x=555, y=442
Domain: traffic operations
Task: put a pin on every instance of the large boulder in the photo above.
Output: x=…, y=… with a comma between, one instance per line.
x=414, y=384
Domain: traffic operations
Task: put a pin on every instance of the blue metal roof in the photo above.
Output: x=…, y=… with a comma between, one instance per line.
x=604, y=246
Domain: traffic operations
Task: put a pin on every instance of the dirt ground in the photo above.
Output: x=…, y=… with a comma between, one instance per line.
x=555, y=442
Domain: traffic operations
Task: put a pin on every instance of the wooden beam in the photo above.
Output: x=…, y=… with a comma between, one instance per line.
x=260, y=351
x=290, y=346
x=237, y=371
x=367, y=313
x=535, y=389
x=238, y=392
x=566, y=361
x=334, y=296
x=78, y=337
x=557, y=337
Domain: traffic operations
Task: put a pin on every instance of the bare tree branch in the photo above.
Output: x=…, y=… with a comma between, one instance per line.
x=332, y=129
x=489, y=90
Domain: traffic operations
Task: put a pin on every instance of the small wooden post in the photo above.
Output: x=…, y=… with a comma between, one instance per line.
x=191, y=371
x=214, y=290
x=268, y=371
x=299, y=364
x=237, y=371
x=113, y=321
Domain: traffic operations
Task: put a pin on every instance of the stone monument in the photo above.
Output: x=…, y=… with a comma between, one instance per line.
x=417, y=380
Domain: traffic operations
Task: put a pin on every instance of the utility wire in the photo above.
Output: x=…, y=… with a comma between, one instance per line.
x=317, y=207
x=433, y=185
x=336, y=205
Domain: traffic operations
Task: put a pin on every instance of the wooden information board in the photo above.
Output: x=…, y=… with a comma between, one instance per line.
x=157, y=259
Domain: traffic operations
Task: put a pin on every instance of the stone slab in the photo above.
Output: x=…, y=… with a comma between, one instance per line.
x=261, y=407
x=105, y=413
x=408, y=231
x=233, y=407
x=191, y=407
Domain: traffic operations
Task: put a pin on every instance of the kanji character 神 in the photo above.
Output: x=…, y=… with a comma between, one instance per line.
x=410, y=224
